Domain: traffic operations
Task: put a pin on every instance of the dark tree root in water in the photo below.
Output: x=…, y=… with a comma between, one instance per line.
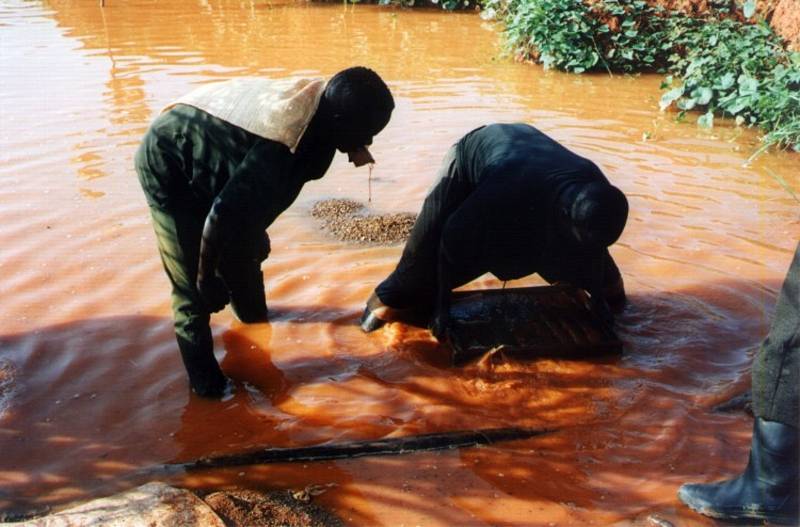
x=383, y=447
x=236, y=512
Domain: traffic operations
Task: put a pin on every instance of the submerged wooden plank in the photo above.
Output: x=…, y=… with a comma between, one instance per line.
x=527, y=323
x=382, y=447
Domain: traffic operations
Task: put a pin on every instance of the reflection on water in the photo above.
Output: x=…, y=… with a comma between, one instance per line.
x=91, y=387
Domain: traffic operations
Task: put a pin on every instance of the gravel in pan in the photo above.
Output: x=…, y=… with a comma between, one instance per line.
x=350, y=221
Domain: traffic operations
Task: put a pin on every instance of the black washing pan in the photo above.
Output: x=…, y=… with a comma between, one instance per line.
x=527, y=323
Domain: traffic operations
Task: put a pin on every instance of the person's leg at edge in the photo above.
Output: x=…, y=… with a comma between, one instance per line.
x=768, y=488
x=178, y=233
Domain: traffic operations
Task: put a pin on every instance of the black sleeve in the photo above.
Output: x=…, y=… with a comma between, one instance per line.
x=256, y=191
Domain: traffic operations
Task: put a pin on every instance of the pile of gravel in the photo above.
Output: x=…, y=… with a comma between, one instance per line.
x=349, y=221
x=250, y=508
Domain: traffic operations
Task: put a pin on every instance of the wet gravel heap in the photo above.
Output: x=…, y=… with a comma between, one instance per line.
x=349, y=221
x=249, y=508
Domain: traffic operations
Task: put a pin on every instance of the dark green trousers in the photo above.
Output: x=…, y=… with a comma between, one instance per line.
x=179, y=232
x=776, y=373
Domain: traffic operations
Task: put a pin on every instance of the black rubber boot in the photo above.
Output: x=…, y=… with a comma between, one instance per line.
x=377, y=314
x=766, y=490
x=250, y=308
x=241, y=272
x=370, y=319
x=205, y=375
x=248, y=299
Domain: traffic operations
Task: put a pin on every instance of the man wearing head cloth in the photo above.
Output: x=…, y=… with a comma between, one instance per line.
x=511, y=201
x=220, y=164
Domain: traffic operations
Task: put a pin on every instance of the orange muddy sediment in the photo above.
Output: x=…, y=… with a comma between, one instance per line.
x=92, y=391
x=786, y=22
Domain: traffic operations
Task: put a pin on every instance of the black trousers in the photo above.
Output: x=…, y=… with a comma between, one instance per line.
x=178, y=233
x=776, y=373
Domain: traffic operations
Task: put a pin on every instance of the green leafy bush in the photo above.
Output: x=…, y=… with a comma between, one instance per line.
x=735, y=70
x=447, y=5
x=778, y=106
x=553, y=33
x=616, y=35
x=718, y=65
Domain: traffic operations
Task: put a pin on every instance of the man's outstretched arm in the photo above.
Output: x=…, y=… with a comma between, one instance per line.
x=257, y=192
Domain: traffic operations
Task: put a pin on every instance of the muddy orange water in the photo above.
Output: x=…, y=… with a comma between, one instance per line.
x=92, y=391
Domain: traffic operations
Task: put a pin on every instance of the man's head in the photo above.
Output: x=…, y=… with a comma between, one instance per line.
x=359, y=105
x=593, y=215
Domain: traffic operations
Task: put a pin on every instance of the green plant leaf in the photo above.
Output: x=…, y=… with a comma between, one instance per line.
x=671, y=96
x=703, y=95
x=706, y=120
x=726, y=81
x=738, y=105
x=747, y=85
x=782, y=182
x=687, y=103
x=749, y=8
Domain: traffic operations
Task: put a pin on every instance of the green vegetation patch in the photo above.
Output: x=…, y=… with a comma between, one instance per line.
x=447, y=5
x=577, y=37
x=718, y=64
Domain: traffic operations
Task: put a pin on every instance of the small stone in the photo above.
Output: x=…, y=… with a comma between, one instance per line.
x=656, y=521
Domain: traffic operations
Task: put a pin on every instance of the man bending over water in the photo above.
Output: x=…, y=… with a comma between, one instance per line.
x=219, y=165
x=511, y=201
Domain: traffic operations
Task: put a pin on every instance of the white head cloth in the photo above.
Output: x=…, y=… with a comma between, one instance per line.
x=279, y=110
